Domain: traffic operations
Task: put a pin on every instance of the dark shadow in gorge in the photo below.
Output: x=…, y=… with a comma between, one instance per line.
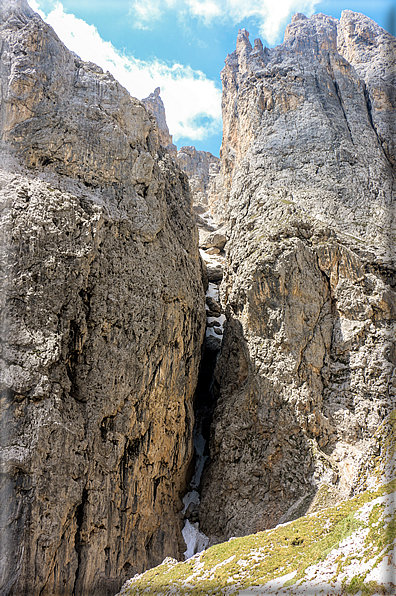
x=204, y=397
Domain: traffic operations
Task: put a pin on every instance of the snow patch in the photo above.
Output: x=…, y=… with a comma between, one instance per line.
x=207, y=217
x=191, y=497
x=213, y=291
x=195, y=540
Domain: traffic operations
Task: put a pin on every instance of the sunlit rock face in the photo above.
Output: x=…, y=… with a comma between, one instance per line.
x=155, y=106
x=102, y=322
x=201, y=168
x=307, y=368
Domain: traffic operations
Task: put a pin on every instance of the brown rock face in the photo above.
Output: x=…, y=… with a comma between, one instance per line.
x=155, y=106
x=307, y=369
x=102, y=321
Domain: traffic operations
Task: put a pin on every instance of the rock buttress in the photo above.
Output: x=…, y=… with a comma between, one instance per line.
x=102, y=322
x=307, y=369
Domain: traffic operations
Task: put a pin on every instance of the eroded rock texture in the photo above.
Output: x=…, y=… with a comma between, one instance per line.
x=155, y=106
x=102, y=321
x=202, y=169
x=307, y=370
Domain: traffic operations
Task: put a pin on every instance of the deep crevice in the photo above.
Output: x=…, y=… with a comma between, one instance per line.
x=78, y=540
x=204, y=397
x=337, y=90
x=369, y=106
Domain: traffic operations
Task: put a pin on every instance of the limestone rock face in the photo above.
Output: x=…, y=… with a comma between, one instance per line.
x=155, y=106
x=307, y=369
x=102, y=322
x=201, y=168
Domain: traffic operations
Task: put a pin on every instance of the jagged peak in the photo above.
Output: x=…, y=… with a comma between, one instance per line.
x=318, y=32
x=243, y=40
x=17, y=7
x=349, y=17
x=155, y=106
x=298, y=16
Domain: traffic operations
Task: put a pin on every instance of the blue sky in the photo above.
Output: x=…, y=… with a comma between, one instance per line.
x=180, y=46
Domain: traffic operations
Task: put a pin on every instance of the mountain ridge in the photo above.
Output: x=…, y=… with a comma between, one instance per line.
x=115, y=365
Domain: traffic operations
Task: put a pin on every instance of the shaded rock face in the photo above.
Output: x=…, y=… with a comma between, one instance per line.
x=307, y=368
x=155, y=106
x=202, y=169
x=102, y=322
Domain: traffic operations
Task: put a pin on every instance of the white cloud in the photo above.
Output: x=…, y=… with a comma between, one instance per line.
x=187, y=94
x=207, y=10
x=33, y=4
x=272, y=15
x=145, y=12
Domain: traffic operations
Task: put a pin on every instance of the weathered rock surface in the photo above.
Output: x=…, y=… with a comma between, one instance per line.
x=155, y=106
x=201, y=168
x=216, y=239
x=307, y=369
x=332, y=552
x=102, y=322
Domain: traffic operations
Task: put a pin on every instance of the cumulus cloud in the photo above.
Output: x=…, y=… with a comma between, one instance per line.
x=270, y=14
x=33, y=4
x=192, y=101
x=145, y=13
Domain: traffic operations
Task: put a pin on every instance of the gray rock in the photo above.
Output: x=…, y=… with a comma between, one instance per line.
x=215, y=272
x=102, y=323
x=307, y=368
x=212, y=343
x=201, y=168
x=192, y=513
x=214, y=306
x=215, y=239
x=155, y=106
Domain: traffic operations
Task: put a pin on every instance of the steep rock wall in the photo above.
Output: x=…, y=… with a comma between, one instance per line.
x=155, y=106
x=307, y=369
x=102, y=322
x=201, y=168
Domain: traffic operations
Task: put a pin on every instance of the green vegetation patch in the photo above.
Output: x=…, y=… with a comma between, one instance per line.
x=265, y=556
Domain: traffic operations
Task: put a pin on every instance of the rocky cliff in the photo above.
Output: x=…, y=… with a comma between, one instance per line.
x=103, y=310
x=102, y=322
x=202, y=169
x=307, y=368
x=155, y=106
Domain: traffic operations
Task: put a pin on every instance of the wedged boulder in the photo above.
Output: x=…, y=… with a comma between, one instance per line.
x=213, y=344
x=216, y=239
x=213, y=305
x=215, y=272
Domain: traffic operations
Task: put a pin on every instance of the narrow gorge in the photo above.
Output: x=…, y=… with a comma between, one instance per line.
x=193, y=348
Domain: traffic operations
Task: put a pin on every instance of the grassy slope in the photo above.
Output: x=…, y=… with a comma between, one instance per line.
x=313, y=552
